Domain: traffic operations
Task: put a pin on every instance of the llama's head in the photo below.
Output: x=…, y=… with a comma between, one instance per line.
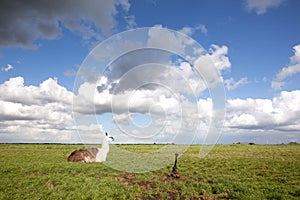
x=109, y=138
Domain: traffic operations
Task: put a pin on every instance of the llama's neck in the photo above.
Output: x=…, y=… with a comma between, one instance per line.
x=103, y=151
x=105, y=145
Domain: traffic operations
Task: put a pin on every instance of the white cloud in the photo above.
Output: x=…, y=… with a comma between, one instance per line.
x=245, y=120
x=35, y=113
x=35, y=19
x=261, y=6
x=273, y=120
x=288, y=71
x=212, y=64
x=295, y=59
x=130, y=20
x=7, y=68
x=114, y=48
x=48, y=91
x=89, y=101
x=277, y=85
x=231, y=84
x=44, y=113
x=292, y=69
x=187, y=30
x=281, y=112
x=130, y=77
x=165, y=90
x=202, y=28
x=148, y=89
x=127, y=61
x=219, y=58
x=191, y=30
x=173, y=43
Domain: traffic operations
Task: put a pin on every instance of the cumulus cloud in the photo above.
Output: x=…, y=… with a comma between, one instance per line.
x=35, y=113
x=130, y=86
x=7, y=68
x=219, y=57
x=124, y=61
x=167, y=90
x=151, y=81
x=210, y=65
x=168, y=111
x=48, y=91
x=279, y=113
x=21, y=23
x=44, y=113
x=261, y=6
x=231, y=84
x=129, y=74
x=292, y=69
x=89, y=100
x=260, y=120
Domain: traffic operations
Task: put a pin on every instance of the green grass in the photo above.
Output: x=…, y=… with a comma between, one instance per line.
x=40, y=171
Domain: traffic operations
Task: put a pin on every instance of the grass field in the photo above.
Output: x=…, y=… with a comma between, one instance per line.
x=40, y=171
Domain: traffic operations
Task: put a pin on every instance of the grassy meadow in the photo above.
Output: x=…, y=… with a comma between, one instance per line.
x=40, y=171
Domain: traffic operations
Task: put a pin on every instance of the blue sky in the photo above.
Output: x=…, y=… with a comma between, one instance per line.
x=253, y=44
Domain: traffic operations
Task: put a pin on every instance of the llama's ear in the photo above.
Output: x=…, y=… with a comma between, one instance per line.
x=106, y=134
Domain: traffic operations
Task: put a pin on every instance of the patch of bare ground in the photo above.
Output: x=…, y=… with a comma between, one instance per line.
x=164, y=187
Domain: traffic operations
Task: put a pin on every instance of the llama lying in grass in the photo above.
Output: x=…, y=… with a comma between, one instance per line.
x=92, y=154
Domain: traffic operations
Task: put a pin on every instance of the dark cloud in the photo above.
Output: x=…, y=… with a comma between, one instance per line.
x=22, y=22
x=137, y=68
x=15, y=117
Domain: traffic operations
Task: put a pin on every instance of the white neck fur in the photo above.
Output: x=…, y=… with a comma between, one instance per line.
x=103, y=151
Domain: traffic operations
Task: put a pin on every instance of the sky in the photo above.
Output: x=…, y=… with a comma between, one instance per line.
x=206, y=71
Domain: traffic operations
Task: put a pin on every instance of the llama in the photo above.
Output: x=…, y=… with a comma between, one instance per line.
x=92, y=154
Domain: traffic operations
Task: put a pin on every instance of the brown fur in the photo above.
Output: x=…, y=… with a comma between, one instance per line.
x=83, y=155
